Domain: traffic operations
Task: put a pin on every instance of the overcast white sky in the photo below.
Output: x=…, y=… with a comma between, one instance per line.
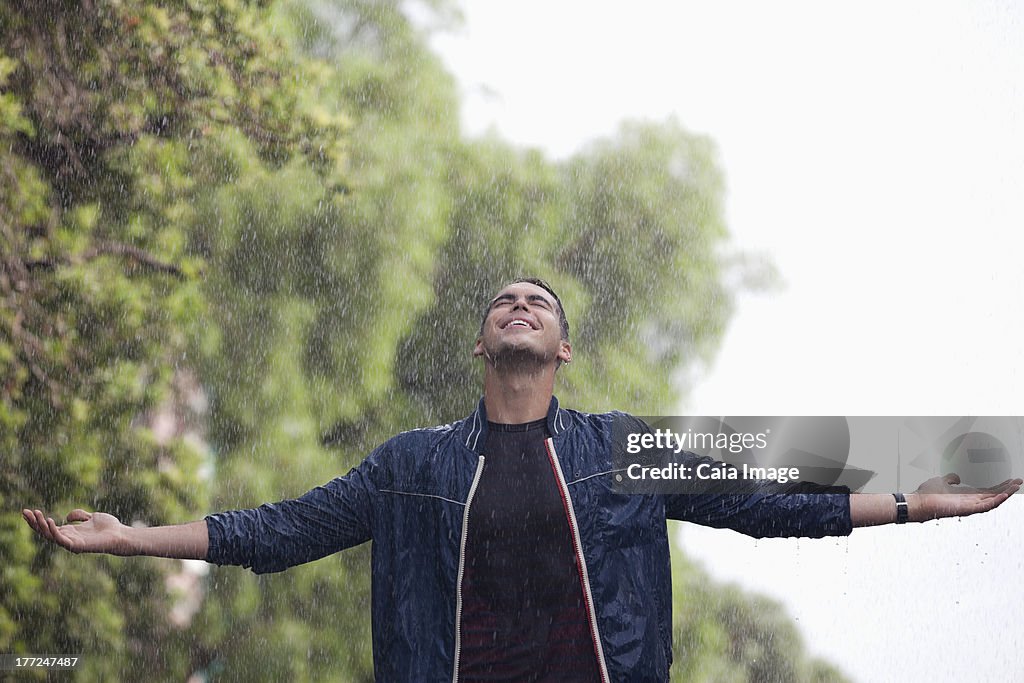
x=876, y=151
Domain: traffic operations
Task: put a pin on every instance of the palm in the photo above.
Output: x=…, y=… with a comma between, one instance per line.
x=946, y=497
x=85, y=532
x=93, y=535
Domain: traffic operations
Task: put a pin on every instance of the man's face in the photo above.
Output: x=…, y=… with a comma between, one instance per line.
x=522, y=327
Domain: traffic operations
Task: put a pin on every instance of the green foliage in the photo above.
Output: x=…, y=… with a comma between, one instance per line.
x=267, y=207
x=113, y=120
x=725, y=635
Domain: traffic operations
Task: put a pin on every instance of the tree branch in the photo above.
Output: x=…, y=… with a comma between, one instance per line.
x=136, y=254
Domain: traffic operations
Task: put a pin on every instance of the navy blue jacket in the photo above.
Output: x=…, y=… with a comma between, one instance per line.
x=412, y=497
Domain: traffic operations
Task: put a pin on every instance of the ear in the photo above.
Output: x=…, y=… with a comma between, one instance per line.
x=478, y=348
x=565, y=352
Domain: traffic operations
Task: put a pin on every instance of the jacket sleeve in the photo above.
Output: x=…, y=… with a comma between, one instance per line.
x=764, y=514
x=756, y=508
x=764, y=509
x=276, y=536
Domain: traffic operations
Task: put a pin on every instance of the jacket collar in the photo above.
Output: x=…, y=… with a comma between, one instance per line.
x=474, y=427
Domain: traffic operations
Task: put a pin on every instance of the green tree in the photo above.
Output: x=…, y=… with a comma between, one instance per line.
x=113, y=120
x=725, y=635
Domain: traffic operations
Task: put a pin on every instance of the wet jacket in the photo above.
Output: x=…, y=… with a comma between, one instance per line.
x=412, y=497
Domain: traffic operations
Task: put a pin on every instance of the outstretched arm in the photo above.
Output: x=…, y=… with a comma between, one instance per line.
x=98, y=532
x=936, y=498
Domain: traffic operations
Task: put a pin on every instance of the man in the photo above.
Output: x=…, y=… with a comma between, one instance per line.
x=502, y=549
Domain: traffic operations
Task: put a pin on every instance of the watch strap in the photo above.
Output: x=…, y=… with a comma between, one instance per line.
x=902, y=509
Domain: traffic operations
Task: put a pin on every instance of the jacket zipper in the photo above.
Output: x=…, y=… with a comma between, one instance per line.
x=588, y=598
x=462, y=567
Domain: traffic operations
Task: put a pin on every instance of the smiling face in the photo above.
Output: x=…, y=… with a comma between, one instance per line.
x=522, y=326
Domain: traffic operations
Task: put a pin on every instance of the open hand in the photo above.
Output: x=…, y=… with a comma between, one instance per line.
x=946, y=497
x=85, y=532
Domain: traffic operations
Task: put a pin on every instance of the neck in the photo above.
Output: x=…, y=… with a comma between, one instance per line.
x=518, y=396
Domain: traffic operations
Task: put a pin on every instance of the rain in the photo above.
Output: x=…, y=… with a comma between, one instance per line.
x=246, y=243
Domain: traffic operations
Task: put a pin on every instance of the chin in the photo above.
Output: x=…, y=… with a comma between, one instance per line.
x=513, y=355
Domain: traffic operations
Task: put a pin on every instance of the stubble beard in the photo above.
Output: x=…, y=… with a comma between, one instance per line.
x=510, y=358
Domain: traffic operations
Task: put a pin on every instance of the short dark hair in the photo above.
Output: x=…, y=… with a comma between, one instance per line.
x=563, y=322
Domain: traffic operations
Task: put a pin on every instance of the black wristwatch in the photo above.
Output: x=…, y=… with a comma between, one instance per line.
x=902, y=509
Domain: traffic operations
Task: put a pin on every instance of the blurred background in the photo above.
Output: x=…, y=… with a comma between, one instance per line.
x=243, y=243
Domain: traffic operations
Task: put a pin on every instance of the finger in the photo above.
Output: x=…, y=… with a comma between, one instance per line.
x=30, y=517
x=1008, y=485
x=57, y=536
x=965, y=506
x=40, y=525
x=79, y=515
x=993, y=502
